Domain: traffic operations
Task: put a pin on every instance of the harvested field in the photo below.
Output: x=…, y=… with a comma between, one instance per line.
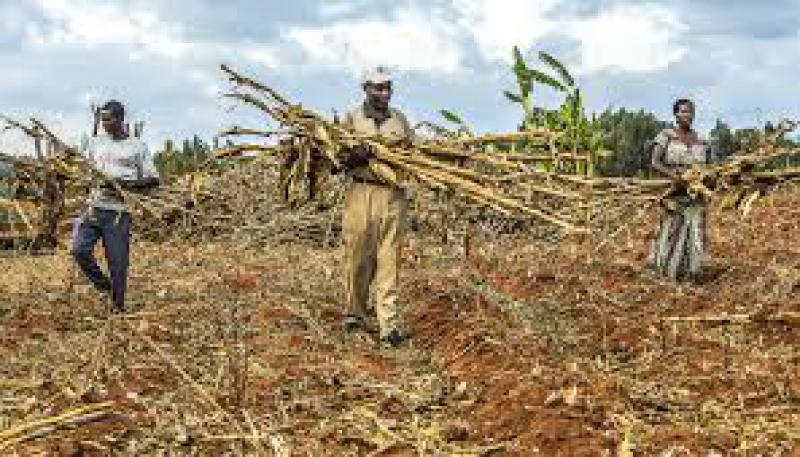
x=524, y=348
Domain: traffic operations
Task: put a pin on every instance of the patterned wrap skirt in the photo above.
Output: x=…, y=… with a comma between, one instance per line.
x=678, y=249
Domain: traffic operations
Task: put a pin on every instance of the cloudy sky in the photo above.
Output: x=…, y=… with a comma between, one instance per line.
x=738, y=59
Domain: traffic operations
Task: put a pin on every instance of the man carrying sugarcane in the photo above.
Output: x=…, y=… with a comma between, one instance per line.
x=126, y=162
x=374, y=214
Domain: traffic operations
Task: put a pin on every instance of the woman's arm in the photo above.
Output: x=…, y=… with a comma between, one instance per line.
x=658, y=164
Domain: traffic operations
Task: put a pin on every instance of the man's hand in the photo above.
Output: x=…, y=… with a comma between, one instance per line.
x=360, y=156
x=365, y=152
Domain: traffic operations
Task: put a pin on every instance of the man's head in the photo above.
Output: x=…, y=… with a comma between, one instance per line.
x=112, y=118
x=683, y=109
x=377, y=86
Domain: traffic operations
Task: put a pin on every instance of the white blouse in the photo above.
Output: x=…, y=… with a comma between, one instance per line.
x=679, y=153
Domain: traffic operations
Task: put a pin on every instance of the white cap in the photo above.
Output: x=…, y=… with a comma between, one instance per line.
x=377, y=75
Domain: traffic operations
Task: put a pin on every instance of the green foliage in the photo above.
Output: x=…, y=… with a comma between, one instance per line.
x=723, y=136
x=729, y=142
x=520, y=69
x=194, y=152
x=747, y=138
x=450, y=116
x=7, y=189
x=627, y=135
x=527, y=77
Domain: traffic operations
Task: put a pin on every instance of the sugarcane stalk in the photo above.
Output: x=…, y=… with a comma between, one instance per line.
x=475, y=190
x=7, y=436
x=240, y=79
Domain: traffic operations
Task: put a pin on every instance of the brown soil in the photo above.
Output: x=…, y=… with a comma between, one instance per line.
x=523, y=349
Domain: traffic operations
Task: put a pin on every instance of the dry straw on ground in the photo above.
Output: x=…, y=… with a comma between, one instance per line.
x=523, y=346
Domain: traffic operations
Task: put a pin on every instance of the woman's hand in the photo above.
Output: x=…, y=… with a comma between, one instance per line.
x=679, y=178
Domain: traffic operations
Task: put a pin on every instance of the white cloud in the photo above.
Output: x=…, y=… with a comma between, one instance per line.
x=634, y=38
x=497, y=25
x=629, y=53
x=417, y=37
x=93, y=23
x=208, y=83
x=262, y=54
x=410, y=40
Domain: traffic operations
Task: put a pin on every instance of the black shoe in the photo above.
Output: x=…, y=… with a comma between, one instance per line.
x=353, y=323
x=117, y=309
x=393, y=339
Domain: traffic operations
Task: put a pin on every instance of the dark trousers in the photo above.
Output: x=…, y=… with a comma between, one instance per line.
x=114, y=228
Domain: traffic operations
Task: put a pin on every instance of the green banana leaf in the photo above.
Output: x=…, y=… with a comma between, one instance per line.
x=559, y=67
x=513, y=97
x=451, y=117
x=547, y=80
x=520, y=67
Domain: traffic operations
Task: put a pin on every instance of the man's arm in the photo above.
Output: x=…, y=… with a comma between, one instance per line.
x=409, y=134
x=360, y=155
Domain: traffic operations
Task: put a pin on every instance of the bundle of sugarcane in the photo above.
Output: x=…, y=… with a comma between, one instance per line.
x=429, y=164
x=716, y=179
x=262, y=197
x=241, y=202
x=38, y=179
x=737, y=181
x=76, y=175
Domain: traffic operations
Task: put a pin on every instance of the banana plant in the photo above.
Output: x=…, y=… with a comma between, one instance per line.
x=582, y=133
x=571, y=114
x=526, y=78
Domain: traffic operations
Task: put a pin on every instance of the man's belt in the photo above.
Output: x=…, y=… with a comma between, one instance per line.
x=110, y=190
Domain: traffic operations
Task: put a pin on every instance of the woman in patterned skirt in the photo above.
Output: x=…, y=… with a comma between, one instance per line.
x=679, y=246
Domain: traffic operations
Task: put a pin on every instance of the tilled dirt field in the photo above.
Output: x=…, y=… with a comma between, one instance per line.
x=521, y=348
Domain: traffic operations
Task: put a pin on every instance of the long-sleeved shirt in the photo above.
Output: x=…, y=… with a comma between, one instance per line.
x=127, y=160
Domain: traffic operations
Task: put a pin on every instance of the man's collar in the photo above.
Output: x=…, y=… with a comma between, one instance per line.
x=372, y=113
